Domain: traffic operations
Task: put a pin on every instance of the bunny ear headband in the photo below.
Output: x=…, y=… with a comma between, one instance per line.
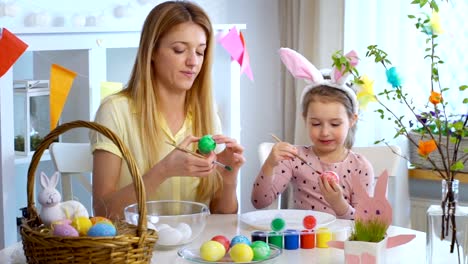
x=301, y=68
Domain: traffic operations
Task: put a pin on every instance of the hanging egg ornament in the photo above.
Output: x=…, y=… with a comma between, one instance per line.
x=206, y=144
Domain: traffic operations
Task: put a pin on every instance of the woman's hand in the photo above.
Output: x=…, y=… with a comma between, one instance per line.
x=178, y=162
x=232, y=156
x=332, y=193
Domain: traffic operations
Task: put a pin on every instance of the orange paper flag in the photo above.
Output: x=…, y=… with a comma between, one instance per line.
x=11, y=48
x=61, y=80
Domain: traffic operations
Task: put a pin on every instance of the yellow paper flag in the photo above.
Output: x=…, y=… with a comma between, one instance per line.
x=61, y=80
x=108, y=88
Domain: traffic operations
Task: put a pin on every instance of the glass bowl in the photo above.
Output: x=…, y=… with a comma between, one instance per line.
x=177, y=222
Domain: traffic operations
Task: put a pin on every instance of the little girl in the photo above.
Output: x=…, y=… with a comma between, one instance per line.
x=329, y=109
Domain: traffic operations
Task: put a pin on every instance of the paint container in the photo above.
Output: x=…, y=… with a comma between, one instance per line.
x=323, y=236
x=307, y=239
x=275, y=238
x=291, y=239
x=259, y=236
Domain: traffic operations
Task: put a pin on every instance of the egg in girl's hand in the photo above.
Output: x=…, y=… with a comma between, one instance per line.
x=331, y=176
x=102, y=229
x=64, y=230
x=82, y=224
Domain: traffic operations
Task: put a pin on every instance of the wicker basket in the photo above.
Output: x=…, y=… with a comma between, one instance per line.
x=132, y=244
x=422, y=163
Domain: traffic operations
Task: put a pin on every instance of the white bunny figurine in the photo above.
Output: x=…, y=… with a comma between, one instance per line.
x=52, y=208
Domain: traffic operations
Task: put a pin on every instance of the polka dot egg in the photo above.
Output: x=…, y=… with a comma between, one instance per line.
x=102, y=229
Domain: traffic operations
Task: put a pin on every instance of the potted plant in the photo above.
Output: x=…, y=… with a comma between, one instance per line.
x=439, y=135
x=373, y=215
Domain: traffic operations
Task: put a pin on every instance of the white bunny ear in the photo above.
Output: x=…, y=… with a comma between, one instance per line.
x=54, y=180
x=44, y=180
x=380, y=190
x=299, y=66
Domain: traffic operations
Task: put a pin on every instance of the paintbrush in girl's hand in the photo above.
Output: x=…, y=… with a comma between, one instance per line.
x=299, y=157
x=226, y=167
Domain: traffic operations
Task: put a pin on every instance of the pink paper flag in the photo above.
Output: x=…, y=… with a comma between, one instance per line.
x=61, y=80
x=11, y=48
x=245, y=60
x=233, y=44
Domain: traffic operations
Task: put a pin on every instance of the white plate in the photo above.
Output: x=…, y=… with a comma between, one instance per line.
x=192, y=254
x=261, y=219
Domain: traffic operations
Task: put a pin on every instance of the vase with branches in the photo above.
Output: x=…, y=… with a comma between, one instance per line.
x=440, y=132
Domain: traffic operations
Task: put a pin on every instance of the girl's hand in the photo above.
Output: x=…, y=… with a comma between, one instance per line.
x=178, y=162
x=232, y=156
x=332, y=193
x=280, y=151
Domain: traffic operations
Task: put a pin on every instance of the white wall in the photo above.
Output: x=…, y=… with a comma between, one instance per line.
x=261, y=112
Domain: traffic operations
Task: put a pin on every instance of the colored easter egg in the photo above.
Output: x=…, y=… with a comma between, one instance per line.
x=206, y=144
x=261, y=250
x=212, y=251
x=169, y=236
x=64, y=230
x=98, y=219
x=186, y=232
x=223, y=240
x=241, y=253
x=240, y=239
x=82, y=224
x=101, y=230
x=278, y=224
x=309, y=222
x=331, y=176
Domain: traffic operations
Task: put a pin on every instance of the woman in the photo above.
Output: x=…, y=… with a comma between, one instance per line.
x=167, y=99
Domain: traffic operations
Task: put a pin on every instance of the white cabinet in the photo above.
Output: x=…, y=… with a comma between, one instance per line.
x=96, y=55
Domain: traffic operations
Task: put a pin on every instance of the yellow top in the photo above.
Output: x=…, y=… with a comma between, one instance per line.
x=115, y=113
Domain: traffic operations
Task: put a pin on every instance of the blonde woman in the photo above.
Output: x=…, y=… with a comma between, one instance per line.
x=168, y=98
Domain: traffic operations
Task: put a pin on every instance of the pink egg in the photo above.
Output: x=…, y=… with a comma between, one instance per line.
x=65, y=230
x=331, y=176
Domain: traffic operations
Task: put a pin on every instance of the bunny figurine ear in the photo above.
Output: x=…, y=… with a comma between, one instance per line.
x=338, y=75
x=299, y=66
x=378, y=205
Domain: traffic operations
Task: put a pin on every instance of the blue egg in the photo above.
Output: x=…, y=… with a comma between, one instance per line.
x=102, y=229
x=240, y=239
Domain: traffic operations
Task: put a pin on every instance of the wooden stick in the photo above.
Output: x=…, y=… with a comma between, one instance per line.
x=277, y=139
x=229, y=168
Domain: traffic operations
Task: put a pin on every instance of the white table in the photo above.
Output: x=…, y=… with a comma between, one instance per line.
x=230, y=225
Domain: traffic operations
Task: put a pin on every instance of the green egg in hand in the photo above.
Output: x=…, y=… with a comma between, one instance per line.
x=206, y=144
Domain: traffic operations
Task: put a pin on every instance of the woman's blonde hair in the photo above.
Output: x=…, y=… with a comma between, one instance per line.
x=325, y=94
x=199, y=99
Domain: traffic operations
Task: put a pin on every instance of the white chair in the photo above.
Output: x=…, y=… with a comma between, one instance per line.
x=264, y=150
x=381, y=158
x=72, y=160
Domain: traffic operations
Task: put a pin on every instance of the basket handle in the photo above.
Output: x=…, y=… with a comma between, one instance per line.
x=49, y=139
